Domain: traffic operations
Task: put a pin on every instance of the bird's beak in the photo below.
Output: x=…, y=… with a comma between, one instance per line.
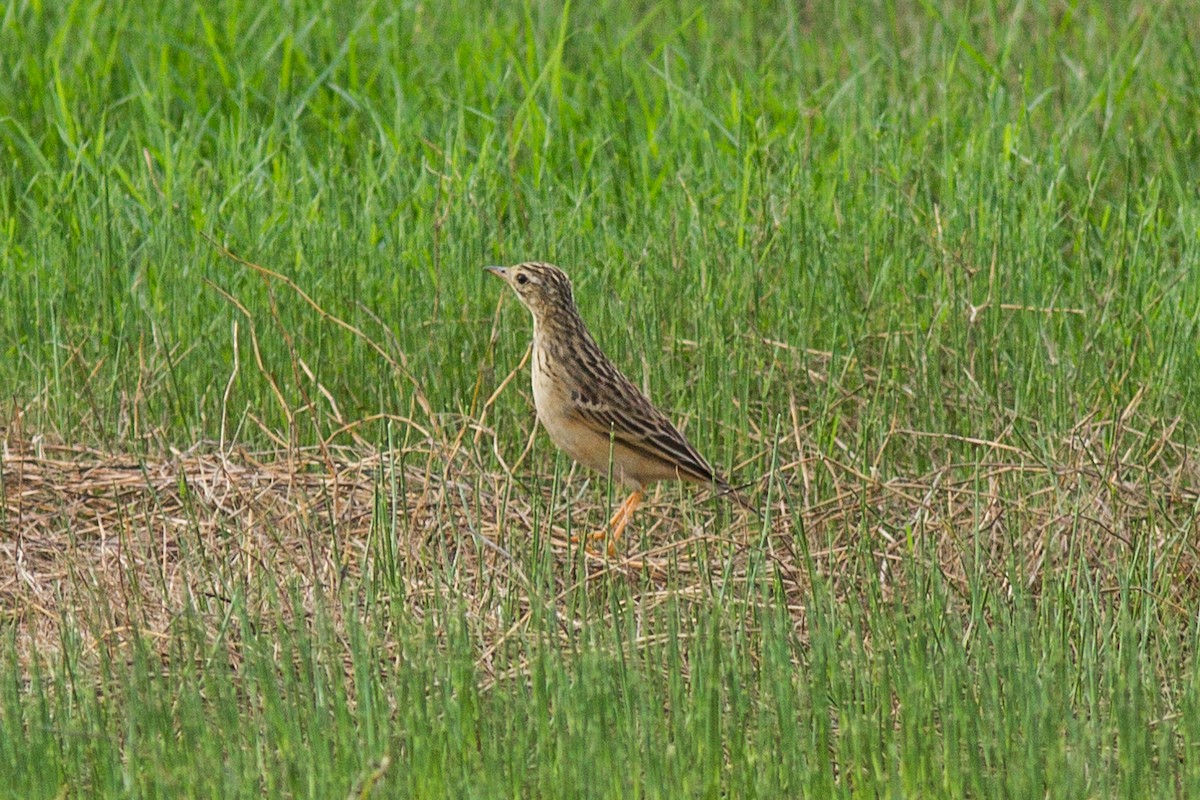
x=499, y=272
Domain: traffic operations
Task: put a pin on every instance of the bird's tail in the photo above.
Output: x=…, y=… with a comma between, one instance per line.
x=734, y=495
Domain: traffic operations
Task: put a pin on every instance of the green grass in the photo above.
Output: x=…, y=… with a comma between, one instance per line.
x=903, y=697
x=934, y=267
x=852, y=182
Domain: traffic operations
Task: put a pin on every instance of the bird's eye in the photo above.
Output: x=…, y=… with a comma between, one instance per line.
x=522, y=278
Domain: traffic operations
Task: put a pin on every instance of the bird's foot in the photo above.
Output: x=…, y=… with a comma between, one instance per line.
x=616, y=526
x=591, y=542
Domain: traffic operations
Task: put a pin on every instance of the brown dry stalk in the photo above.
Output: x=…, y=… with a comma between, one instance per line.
x=116, y=544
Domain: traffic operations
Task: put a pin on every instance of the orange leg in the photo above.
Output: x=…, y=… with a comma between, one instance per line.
x=616, y=525
x=620, y=519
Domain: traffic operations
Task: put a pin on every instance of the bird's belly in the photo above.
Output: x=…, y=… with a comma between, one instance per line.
x=568, y=432
x=577, y=441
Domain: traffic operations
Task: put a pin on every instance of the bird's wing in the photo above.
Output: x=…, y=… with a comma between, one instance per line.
x=641, y=427
x=653, y=436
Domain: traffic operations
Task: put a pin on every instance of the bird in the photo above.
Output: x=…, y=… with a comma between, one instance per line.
x=590, y=410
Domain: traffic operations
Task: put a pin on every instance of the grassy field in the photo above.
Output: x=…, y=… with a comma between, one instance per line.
x=277, y=520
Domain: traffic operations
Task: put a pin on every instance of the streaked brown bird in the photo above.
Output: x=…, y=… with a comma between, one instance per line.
x=592, y=411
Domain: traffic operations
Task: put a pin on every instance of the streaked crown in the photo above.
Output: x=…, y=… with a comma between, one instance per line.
x=543, y=288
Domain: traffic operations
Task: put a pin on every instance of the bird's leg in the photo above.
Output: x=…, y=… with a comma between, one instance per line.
x=616, y=525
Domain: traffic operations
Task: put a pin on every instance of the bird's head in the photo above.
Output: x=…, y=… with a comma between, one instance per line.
x=543, y=288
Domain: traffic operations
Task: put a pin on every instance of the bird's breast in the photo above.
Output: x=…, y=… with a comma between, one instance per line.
x=557, y=412
x=551, y=395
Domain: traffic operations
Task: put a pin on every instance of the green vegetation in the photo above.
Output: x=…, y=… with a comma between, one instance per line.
x=925, y=276
x=1062, y=702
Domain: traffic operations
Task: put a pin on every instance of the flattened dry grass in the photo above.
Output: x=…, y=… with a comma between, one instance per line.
x=119, y=546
